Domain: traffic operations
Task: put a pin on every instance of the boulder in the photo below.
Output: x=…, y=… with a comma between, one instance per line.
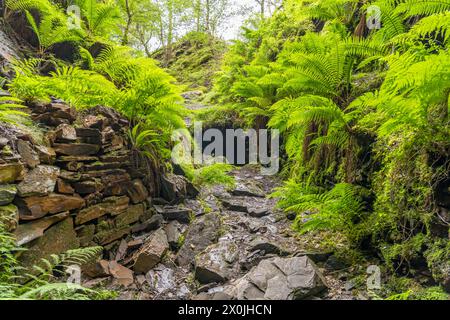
x=217, y=263
x=10, y=216
x=76, y=149
x=177, y=188
x=28, y=232
x=280, y=279
x=161, y=279
x=28, y=154
x=113, y=206
x=7, y=194
x=202, y=233
x=58, y=239
x=39, y=182
x=151, y=253
x=33, y=208
x=11, y=172
x=266, y=246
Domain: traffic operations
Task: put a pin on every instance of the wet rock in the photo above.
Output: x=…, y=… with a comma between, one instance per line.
x=11, y=172
x=137, y=191
x=65, y=133
x=7, y=194
x=151, y=253
x=39, y=182
x=173, y=231
x=33, y=208
x=203, y=232
x=28, y=154
x=28, y=232
x=217, y=263
x=112, y=205
x=10, y=216
x=280, y=279
x=122, y=275
x=76, y=149
x=58, y=239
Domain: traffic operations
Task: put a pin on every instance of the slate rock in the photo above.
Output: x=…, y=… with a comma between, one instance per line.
x=151, y=253
x=7, y=194
x=40, y=181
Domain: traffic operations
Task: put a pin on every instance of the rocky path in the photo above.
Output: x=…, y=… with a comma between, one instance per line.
x=226, y=244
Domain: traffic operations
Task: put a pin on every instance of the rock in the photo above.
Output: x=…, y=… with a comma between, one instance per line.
x=151, y=253
x=217, y=263
x=26, y=151
x=97, y=269
x=161, y=279
x=106, y=237
x=94, y=122
x=65, y=133
x=76, y=149
x=130, y=216
x=86, y=235
x=10, y=216
x=7, y=194
x=180, y=214
x=46, y=155
x=258, y=212
x=173, y=232
x=234, y=204
x=63, y=187
x=315, y=256
x=3, y=142
x=11, y=172
x=137, y=191
x=113, y=206
x=87, y=187
x=154, y=223
x=58, y=239
x=202, y=233
x=28, y=232
x=39, y=182
x=267, y=246
x=121, y=274
x=215, y=296
x=246, y=190
x=280, y=279
x=121, y=251
x=334, y=263
x=37, y=207
x=177, y=188
x=89, y=135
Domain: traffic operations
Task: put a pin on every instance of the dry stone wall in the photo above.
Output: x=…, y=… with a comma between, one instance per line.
x=78, y=187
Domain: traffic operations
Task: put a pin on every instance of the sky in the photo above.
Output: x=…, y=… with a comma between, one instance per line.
x=231, y=31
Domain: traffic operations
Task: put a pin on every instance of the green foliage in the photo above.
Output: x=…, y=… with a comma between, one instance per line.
x=43, y=281
x=358, y=110
x=10, y=110
x=215, y=174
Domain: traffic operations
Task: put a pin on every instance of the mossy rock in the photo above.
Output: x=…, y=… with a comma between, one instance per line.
x=58, y=239
x=7, y=194
x=10, y=216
